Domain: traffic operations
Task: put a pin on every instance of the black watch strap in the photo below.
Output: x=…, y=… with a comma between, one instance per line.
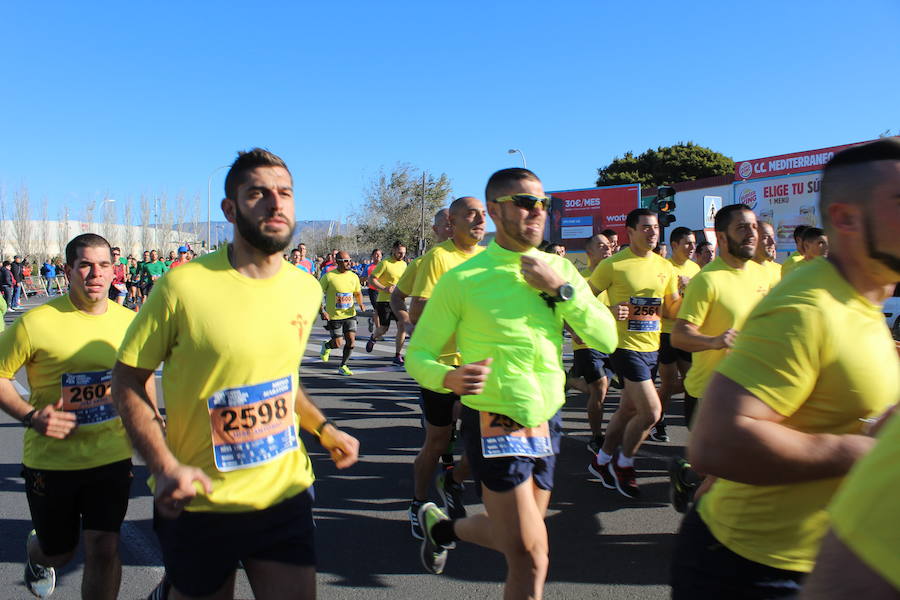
x=26, y=420
x=322, y=425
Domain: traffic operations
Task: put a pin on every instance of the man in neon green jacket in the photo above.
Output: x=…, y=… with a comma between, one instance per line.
x=506, y=308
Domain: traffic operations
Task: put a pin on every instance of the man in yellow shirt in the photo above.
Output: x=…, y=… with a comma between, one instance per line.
x=782, y=420
x=467, y=220
x=231, y=477
x=77, y=459
x=797, y=255
x=642, y=288
x=765, y=253
x=674, y=362
x=384, y=278
x=339, y=288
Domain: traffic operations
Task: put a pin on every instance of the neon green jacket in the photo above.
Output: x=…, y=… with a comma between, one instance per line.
x=495, y=314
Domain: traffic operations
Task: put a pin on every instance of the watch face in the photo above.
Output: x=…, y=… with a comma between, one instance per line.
x=566, y=291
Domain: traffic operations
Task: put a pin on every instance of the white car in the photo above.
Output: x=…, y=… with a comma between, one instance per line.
x=891, y=312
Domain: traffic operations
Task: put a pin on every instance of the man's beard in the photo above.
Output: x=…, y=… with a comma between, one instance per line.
x=888, y=260
x=268, y=244
x=738, y=251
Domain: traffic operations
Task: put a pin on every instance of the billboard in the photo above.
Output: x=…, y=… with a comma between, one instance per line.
x=785, y=202
x=576, y=215
x=787, y=164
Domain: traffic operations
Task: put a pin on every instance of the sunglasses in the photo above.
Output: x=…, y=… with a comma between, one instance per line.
x=343, y=260
x=526, y=201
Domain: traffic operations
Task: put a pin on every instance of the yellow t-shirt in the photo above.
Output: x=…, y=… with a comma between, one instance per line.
x=688, y=269
x=438, y=261
x=818, y=353
x=405, y=285
x=642, y=282
x=790, y=263
x=602, y=297
x=773, y=270
x=230, y=376
x=58, y=344
x=388, y=272
x=720, y=297
x=864, y=512
x=340, y=291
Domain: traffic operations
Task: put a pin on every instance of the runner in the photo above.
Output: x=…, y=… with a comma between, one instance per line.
x=674, y=362
x=642, y=287
x=467, y=219
x=77, y=459
x=613, y=238
x=231, y=478
x=118, y=290
x=182, y=257
x=152, y=271
x=716, y=304
x=765, y=253
x=375, y=258
x=591, y=364
x=815, y=244
x=506, y=308
x=340, y=287
x=704, y=254
x=797, y=255
x=782, y=420
x=384, y=277
x=304, y=263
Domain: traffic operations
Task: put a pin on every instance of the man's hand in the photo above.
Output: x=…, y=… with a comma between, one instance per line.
x=324, y=314
x=175, y=489
x=726, y=340
x=54, y=422
x=620, y=311
x=682, y=283
x=539, y=275
x=468, y=380
x=343, y=447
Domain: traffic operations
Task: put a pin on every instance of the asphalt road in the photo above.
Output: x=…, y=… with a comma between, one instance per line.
x=602, y=545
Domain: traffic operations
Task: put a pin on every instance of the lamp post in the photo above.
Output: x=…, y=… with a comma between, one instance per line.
x=516, y=150
x=209, y=205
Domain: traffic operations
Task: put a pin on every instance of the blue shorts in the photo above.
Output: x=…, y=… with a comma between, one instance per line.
x=591, y=364
x=633, y=365
x=202, y=549
x=502, y=474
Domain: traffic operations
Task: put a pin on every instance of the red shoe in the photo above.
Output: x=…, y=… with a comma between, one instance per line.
x=625, y=478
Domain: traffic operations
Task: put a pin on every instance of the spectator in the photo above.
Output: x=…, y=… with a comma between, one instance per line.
x=7, y=283
x=48, y=272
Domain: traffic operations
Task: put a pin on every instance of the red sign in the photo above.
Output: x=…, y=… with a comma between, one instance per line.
x=787, y=164
x=576, y=215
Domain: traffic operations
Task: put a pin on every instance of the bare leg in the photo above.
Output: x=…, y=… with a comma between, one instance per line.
x=102, y=566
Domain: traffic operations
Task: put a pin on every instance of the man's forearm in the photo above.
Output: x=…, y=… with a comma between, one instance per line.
x=11, y=402
x=686, y=336
x=416, y=307
x=140, y=415
x=310, y=415
x=398, y=305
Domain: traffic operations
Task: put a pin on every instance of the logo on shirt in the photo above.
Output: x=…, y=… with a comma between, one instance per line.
x=300, y=323
x=662, y=278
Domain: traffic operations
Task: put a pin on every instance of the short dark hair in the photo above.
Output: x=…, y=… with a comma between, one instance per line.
x=812, y=233
x=397, y=244
x=678, y=234
x=609, y=232
x=726, y=213
x=883, y=149
x=634, y=217
x=552, y=246
x=247, y=161
x=849, y=175
x=798, y=232
x=85, y=240
x=6, y=263
x=502, y=178
x=703, y=244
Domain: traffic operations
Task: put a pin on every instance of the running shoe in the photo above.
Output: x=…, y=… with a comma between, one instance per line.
x=40, y=581
x=658, y=433
x=414, y=524
x=161, y=591
x=398, y=360
x=602, y=473
x=617, y=383
x=371, y=325
x=595, y=444
x=451, y=495
x=344, y=370
x=434, y=556
x=370, y=344
x=325, y=351
x=681, y=492
x=625, y=478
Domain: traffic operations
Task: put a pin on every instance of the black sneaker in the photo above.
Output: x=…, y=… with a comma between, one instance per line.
x=433, y=555
x=681, y=492
x=625, y=478
x=658, y=433
x=414, y=525
x=602, y=473
x=595, y=444
x=370, y=344
x=40, y=580
x=451, y=495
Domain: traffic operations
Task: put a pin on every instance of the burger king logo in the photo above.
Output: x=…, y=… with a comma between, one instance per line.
x=748, y=197
x=745, y=170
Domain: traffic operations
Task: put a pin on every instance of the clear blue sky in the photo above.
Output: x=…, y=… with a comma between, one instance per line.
x=124, y=98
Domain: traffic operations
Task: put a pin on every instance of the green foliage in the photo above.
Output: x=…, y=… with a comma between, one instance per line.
x=392, y=208
x=665, y=166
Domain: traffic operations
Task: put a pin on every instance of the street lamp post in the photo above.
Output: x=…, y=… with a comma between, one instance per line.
x=516, y=150
x=209, y=205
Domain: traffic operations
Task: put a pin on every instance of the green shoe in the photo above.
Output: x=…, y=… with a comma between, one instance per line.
x=40, y=581
x=325, y=351
x=434, y=556
x=344, y=370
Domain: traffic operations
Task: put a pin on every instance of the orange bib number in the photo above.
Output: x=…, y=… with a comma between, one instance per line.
x=501, y=436
x=88, y=396
x=343, y=301
x=253, y=424
x=643, y=314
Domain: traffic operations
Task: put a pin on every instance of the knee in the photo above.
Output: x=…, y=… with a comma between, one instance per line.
x=530, y=555
x=337, y=342
x=436, y=442
x=650, y=415
x=101, y=547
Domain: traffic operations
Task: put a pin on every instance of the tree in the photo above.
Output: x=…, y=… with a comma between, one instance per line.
x=146, y=232
x=22, y=225
x=665, y=166
x=392, y=208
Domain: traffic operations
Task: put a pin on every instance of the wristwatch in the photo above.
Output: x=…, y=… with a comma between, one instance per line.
x=26, y=420
x=565, y=292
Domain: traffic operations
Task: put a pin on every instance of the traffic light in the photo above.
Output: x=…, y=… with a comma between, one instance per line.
x=664, y=205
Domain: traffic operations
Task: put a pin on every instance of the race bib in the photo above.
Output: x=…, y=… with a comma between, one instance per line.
x=343, y=301
x=501, y=436
x=88, y=396
x=643, y=314
x=253, y=424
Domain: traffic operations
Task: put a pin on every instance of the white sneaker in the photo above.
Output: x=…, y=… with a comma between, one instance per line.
x=40, y=581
